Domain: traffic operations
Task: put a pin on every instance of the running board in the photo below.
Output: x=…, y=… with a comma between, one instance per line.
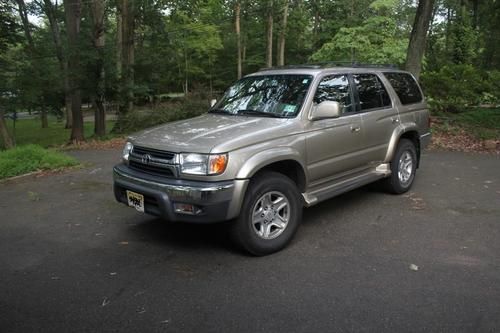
x=333, y=189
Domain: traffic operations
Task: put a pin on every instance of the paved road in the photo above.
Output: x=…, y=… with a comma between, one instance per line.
x=72, y=260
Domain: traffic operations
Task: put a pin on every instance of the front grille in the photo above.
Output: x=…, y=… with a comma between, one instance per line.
x=153, y=161
x=151, y=169
x=155, y=153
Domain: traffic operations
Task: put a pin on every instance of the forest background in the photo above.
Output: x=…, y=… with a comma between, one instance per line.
x=144, y=62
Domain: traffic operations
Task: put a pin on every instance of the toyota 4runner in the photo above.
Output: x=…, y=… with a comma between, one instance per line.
x=278, y=140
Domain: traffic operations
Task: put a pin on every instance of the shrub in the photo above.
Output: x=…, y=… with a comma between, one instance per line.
x=455, y=87
x=166, y=112
x=24, y=159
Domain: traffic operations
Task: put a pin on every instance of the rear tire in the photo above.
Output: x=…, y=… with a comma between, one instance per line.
x=270, y=214
x=403, y=168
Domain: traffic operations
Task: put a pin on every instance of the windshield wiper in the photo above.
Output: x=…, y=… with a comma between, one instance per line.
x=259, y=113
x=220, y=111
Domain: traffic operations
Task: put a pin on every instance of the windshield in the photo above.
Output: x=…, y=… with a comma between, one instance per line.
x=266, y=95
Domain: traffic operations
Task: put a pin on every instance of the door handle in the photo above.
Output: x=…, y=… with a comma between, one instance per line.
x=355, y=129
x=395, y=120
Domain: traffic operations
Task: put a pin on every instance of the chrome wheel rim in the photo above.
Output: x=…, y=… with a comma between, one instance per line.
x=270, y=215
x=405, y=168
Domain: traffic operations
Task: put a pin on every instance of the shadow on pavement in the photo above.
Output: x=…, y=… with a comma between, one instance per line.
x=212, y=237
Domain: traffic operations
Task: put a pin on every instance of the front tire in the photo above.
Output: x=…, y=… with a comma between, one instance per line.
x=270, y=214
x=403, y=168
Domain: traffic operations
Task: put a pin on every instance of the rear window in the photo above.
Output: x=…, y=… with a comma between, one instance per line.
x=371, y=92
x=405, y=86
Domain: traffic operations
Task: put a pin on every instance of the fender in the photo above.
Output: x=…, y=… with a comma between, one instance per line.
x=267, y=157
x=396, y=135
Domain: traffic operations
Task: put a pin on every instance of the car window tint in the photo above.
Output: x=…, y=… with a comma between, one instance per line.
x=371, y=91
x=405, y=87
x=335, y=88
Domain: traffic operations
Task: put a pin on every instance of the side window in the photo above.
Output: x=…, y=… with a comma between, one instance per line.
x=371, y=91
x=405, y=87
x=335, y=88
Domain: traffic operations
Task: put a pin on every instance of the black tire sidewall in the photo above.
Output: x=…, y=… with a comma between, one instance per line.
x=395, y=184
x=243, y=231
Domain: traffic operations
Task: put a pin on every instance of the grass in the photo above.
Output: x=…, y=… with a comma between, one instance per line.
x=481, y=123
x=29, y=131
x=29, y=158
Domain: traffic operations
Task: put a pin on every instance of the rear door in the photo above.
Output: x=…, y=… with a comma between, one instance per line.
x=379, y=116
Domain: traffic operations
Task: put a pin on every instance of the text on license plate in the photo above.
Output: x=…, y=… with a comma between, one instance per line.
x=135, y=200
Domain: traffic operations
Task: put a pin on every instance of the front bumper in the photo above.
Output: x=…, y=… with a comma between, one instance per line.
x=217, y=201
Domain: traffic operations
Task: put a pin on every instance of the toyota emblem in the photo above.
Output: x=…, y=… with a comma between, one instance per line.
x=146, y=158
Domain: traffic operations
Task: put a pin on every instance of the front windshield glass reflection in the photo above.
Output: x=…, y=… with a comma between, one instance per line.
x=266, y=95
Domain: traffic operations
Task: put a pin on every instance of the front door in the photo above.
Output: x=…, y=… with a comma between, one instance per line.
x=333, y=144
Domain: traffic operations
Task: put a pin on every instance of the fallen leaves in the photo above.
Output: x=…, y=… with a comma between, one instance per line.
x=97, y=144
x=455, y=138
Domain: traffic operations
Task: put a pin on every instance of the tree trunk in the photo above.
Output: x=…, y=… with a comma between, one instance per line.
x=237, y=9
x=119, y=39
x=7, y=139
x=281, y=43
x=316, y=25
x=475, y=14
x=43, y=117
x=67, y=101
x=72, y=10
x=269, y=52
x=97, y=8
x=418, y=37
x=23, y=14
x=127, y=57
x=448, y=32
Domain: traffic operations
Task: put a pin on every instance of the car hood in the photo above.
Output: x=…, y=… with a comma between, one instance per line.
x=214, y=133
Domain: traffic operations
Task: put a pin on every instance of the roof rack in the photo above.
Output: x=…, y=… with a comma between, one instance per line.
x=354, y=64
x=320, y=65
x=304, y=66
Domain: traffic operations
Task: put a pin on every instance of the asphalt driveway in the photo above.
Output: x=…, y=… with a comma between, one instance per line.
x=72, y=259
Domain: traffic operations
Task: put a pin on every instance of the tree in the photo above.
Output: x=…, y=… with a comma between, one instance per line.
x=50, y=11
x=98, y=94
x=269, y=49
x=127, y=58
x=418, y=37
x=237, y=10
x=378, y=40
x=9, y=37
x=23, y=14
x=281, y=42
x=72, y=10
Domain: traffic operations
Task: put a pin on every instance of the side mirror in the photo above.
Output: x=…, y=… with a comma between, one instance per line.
x=326, y=109
x=212, y=102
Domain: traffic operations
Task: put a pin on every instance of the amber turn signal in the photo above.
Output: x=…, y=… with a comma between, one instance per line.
x=217, y=164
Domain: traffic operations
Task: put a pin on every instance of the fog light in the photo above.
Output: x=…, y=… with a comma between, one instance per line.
x=189, y=209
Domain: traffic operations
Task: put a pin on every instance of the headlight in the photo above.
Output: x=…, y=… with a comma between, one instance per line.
x=126, y=150
x=203, y=164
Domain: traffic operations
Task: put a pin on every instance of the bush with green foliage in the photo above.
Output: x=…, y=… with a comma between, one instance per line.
x=24, y=159
x=166, y=112
x=454, y=88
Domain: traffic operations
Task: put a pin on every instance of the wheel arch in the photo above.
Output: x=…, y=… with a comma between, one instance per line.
x=284, y=162
x=407, y=132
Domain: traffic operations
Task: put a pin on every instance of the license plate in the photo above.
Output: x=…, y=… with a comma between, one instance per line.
x=136, y=200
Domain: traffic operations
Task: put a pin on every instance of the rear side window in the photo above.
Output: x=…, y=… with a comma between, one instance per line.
x=371, y=92
x=405, y=86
